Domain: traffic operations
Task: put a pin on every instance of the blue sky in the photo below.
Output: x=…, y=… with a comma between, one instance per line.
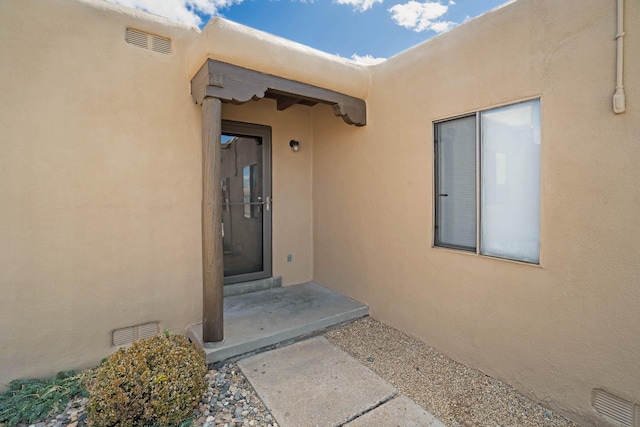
x=363, y=30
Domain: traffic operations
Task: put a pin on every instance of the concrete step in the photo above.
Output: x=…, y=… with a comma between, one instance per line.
x=265, y=319
x=252, y=286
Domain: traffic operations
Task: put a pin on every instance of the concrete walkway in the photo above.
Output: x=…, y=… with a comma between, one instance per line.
x=315, y=384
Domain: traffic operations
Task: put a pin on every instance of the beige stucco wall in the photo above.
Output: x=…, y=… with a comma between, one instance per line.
x=100, y=187
x=101, y=174
x=554, y=331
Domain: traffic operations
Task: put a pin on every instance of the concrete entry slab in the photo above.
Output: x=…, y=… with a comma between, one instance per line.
x=314, y=383
x=262, y=319
x=398, y=412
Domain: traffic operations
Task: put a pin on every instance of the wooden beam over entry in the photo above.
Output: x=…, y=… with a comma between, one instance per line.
x=285, y=102
x=231, y=83
x=218, y=82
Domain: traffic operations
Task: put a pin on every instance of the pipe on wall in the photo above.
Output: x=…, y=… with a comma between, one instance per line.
x=619, y=101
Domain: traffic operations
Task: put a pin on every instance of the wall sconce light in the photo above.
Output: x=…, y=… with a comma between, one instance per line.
x=295, y=145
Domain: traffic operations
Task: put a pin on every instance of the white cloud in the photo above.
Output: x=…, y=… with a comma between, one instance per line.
x=179, y=10
x=366, y=59
x=359, y=5
x=424, y=16
x=441, y=26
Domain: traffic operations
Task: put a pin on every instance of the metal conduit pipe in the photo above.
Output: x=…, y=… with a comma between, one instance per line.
x=619, y=101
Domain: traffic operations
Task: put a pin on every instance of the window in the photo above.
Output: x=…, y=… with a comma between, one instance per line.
x=487, y=182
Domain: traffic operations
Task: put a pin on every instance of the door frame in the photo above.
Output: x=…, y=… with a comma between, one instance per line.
x=263, y=132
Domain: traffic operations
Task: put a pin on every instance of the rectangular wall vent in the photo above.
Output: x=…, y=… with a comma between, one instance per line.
x=124, y=336
x=128, y=335
x=148, y=330
x=615, y=408
x=148, y=41
x=160, y=44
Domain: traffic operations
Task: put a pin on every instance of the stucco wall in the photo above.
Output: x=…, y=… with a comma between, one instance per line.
x=101, y=174
x=554, y=331
x=100, y=188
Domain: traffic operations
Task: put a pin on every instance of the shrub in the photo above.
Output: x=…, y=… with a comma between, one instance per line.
x=27, y=401
x=156, y=381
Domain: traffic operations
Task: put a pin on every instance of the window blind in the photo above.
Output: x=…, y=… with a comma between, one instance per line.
x=456, y=183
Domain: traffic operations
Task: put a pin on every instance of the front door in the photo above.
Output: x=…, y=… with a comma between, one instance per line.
x=246, y=201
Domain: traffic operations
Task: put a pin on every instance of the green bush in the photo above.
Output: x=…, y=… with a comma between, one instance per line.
x=158, y=381
x=27, y=401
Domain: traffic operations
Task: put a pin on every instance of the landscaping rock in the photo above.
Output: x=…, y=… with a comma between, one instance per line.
x=229, y=400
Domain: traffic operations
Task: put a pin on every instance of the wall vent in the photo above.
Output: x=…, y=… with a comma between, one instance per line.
x=148, y=41
x=160, y=44
x=125, y=336
x=148, y=330
x=615, y=408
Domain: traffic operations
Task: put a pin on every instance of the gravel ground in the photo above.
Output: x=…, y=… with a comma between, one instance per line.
x=454, y=393
x=229, y=401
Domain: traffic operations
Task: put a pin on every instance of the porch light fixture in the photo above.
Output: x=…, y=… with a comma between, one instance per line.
x=295, y=145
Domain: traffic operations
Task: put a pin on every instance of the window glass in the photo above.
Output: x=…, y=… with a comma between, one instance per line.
x=509, y=187
x=456, y=183
x=510, y=191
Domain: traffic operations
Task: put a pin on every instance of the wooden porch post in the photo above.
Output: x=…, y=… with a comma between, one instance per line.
x=212, y=262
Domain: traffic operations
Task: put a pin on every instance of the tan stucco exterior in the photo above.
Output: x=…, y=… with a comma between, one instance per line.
x=101, y=175
x=554, y=331
x=100, y=184
x=101, y=188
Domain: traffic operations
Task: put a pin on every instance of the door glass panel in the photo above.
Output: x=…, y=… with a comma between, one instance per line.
x=250, y=191
x=242, y=211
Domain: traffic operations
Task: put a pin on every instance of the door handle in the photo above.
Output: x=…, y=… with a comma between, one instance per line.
x=243, y=203
x=266, y=203
x=443, y=195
